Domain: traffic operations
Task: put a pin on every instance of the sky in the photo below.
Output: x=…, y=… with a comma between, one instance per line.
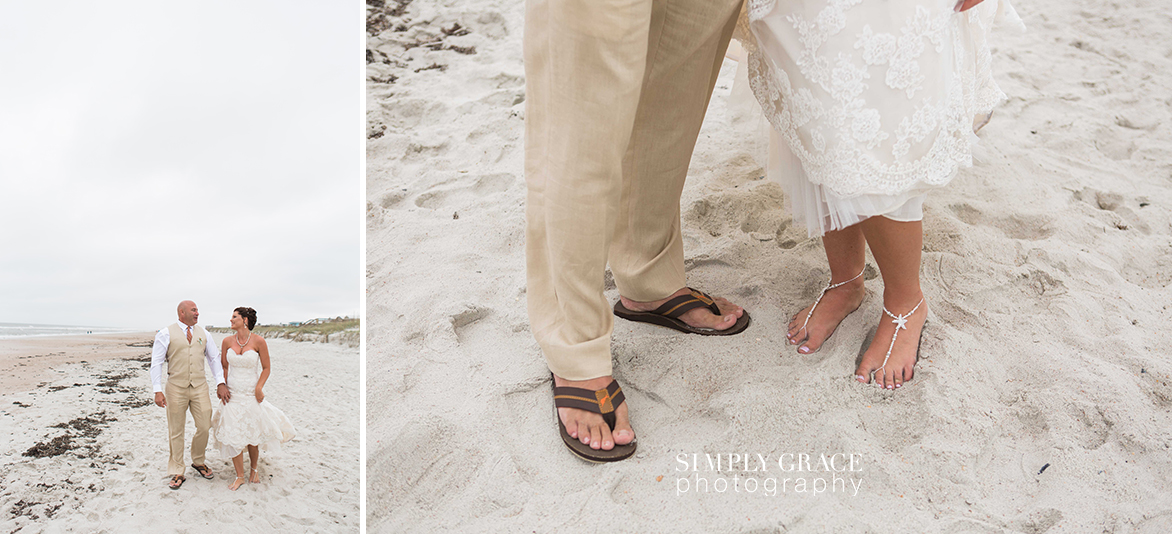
x=152, y=152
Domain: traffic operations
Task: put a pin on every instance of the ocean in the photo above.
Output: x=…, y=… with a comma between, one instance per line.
x=14, y=330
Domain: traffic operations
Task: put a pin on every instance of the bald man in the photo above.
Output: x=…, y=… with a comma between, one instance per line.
x=185, y=347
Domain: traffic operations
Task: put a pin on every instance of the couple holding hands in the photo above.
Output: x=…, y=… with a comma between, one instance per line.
x=872, y=104
x=244, y=420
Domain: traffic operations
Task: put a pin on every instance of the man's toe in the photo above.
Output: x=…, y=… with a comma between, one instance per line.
x=583, y=432
x=728, y=308
x=623, y=436
x=607, y=438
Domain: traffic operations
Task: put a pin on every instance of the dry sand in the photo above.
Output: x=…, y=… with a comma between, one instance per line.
x=26, y=362
x=110, y=473
x=1047, y=265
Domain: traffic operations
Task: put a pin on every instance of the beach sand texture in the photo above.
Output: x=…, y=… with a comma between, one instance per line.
x=110, y=473
x=1047, y=266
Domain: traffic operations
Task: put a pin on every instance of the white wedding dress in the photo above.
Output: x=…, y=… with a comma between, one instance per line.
x=243, y=421
x=871, y=103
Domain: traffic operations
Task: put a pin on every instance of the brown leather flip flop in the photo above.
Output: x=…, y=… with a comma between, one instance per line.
x=669, y=314
x=176, y=481
x=604, y=402
x=203, y=471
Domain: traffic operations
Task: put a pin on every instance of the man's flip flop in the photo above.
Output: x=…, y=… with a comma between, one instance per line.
x=669, y=314
x=203, y=471
x=176, y=481
x=604, y=402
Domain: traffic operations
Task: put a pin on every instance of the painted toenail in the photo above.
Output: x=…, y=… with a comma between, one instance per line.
x=860, y=377
x=805, y=350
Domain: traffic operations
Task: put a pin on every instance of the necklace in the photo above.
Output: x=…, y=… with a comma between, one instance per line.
x=237, y=338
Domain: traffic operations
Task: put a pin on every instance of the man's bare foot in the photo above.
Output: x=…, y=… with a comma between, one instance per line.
x=901, y=365
x=836, y=304
x=697, y=318
x=589, y=427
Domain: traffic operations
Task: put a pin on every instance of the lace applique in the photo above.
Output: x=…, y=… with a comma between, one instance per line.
x=805, y=108
x=877, y=47
x=758, y=9
x=833, y=119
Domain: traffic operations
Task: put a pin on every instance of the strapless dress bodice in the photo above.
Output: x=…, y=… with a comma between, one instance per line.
x=250, y=359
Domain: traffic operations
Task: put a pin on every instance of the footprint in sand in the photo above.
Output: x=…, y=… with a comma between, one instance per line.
x=460, y=192
x=1040, y=283
x=1096, y=427
x=435, y=460
x=463, y=321
x=1115, y=144
x=1159, y=391
x=404, y=114
x=1127, y=217
x=1040, y=520
x=757, y=211
x=491, y=24
x=1016, y=226
x=392, y=199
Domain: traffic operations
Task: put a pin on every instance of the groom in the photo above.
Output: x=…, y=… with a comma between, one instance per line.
x=185, y=346
x=616, y=92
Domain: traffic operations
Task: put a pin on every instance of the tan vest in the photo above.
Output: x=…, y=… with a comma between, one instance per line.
x=185, y=361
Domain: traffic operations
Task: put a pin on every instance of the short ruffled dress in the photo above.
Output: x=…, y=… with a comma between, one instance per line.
x=872, y=103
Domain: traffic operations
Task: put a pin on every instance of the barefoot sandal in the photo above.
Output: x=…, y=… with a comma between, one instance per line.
x=900, y=322
x=828, y=287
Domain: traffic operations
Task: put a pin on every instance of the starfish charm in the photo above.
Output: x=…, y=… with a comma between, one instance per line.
x=900, y=322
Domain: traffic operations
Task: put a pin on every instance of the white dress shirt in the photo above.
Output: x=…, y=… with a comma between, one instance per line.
x=159, y=355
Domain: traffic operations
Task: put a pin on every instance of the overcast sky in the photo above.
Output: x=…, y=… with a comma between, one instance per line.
x=152, y=152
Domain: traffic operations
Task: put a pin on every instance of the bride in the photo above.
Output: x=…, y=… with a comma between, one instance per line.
x=872, y=105
x=247, y=421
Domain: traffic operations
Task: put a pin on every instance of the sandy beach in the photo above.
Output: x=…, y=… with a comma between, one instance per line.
x=84, y=448
x=1043, y=398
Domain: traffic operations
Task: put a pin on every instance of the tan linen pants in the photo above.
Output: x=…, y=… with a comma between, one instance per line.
x=179, y=401
x=616, y=93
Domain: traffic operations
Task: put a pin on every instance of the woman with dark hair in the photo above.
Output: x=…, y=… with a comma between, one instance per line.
x=247, y=420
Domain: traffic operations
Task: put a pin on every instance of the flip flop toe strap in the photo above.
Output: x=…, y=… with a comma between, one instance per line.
x=602, y=401
x=682, y=304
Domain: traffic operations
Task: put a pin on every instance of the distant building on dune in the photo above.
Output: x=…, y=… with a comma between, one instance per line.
x=326, y=320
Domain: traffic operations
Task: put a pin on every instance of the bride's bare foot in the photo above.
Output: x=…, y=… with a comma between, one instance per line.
x=837, y=303
x=589, y=427
x=697, y=318
x=236, y=483
x=254, y=477
x=901, y=364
